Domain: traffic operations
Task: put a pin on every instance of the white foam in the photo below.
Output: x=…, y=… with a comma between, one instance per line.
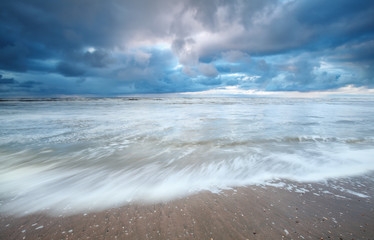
x=86, y=156
x=361, y=195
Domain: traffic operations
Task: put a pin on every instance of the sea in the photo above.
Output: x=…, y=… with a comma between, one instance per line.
x=84, y=154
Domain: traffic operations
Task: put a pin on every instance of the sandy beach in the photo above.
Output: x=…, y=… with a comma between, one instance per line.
x=329, y=210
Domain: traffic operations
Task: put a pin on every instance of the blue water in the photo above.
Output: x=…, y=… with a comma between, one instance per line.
x=89, y=154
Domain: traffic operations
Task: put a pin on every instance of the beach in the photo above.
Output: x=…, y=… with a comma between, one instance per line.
x=292, y=211
x=187, y=168
x=207, y=120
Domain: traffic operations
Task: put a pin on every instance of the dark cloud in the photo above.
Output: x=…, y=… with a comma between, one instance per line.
x=69, y=69
x=281, y=28
x=13, y=57
x=97, y=58
x=113, y=47
x=29, y=84
x=7, y=80
x=10, y=86
x=332, y=12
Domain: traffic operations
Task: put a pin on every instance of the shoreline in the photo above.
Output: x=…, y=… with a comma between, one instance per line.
x=293, y=211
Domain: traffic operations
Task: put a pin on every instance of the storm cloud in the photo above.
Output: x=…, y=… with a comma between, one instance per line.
x=111, y=48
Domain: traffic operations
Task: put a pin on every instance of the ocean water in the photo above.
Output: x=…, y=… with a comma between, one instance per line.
x=90, y=154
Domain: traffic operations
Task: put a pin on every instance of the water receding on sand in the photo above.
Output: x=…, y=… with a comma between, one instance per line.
x=91, y=154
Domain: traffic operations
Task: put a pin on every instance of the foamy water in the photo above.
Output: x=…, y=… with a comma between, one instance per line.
x=91, y=154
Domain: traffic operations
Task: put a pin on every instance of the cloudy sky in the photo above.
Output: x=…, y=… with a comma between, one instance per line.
x=114, y=48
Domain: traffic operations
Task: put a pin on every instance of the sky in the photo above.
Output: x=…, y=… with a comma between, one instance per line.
x=116, y=48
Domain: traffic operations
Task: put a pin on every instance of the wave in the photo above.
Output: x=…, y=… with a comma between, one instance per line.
x=70, y=156
x=290, y=139
x=80, y=182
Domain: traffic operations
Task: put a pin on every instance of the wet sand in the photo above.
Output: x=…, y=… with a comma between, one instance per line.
x=343, y=210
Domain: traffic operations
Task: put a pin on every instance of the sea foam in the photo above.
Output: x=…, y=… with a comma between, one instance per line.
x=87, y=155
